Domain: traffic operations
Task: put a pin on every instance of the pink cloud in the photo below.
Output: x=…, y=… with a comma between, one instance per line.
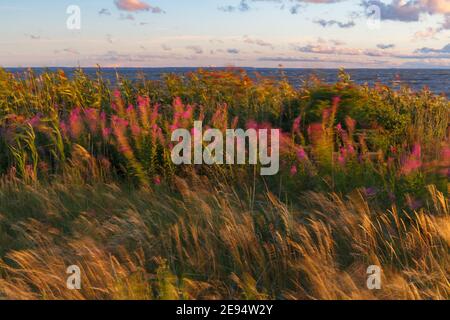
x=437, y=6
x=409, y=10
x=136, y=5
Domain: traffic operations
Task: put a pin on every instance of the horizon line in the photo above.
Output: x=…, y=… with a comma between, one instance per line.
x=227, y=67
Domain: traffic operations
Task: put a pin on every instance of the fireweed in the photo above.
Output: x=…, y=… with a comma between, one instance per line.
x=235, y=151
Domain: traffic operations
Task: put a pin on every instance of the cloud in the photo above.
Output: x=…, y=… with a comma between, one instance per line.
x=445, y=50
x=196, y=49
x=68, y=50
x=295, y=9
x=33, y=36
x=408, y=10
x=105, y=12
x=233, y=51
x=243, y=6
x=330, y=23
x=126, y=17
x=385, y=46
x=257, y=42
x=335, y=48
x=326, y=49
x=438, y=6
x=136, y=5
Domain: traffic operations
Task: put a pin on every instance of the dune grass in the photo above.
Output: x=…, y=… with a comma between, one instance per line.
x=87, y=180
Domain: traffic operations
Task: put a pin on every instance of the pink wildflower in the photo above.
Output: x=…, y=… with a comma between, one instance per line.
x=296, y=125
x=106, y=132
x=116, y=94
x=301, y=154
x=294, y=170
x=75, y=123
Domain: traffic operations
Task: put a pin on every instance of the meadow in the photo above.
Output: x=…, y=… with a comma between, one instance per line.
x=86, y=179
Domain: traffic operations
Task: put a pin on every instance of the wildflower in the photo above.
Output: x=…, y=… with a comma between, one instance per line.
x=34, y=122
x=119, y=122
x=351, y=149
x=116, y=94
x=92, y=119
x=296, y=125
x=301, y=154
x=106, y=132
x=315, y=132
x=173, y=127
x=143, y=102
x=342, y=158
x=157, y=180
x=410, y=165
x=294, y=170
x=187, y=114
x=335, y=102
x=75, y=123
x=135, y=130
x=412, y=162
x=103, y=118
x=177, y=102
x=154, y=115
x=157, y=134
x=417, y=151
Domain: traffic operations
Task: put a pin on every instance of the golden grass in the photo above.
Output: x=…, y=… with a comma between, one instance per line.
x=204, y=241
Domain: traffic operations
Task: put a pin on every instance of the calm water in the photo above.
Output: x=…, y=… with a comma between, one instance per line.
x=437, y=80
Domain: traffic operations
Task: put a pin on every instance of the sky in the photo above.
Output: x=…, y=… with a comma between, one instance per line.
x=245, y=33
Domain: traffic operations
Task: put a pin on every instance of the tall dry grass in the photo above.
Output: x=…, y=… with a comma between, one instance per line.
x=204, y=240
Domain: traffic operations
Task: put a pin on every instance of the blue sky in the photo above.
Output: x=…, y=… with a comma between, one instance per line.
x=264, y=33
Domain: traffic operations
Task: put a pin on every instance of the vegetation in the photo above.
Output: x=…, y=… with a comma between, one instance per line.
x=86, y=179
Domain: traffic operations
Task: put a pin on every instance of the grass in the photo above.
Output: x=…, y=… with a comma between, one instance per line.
x=87, y=180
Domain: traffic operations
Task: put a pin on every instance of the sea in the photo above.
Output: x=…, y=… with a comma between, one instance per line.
x=436, y=80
